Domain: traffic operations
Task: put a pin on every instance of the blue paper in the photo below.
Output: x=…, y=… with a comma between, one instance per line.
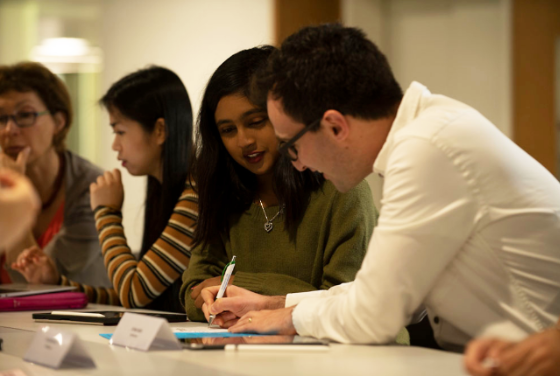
x=200, y=335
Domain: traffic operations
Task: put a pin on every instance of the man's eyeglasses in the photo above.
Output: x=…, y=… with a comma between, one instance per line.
x=288, y=148
x=22, y=119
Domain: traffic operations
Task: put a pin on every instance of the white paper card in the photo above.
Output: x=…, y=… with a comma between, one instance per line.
x=54, y=348
x=142, y=332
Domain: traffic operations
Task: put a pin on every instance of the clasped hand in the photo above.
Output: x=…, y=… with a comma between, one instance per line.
x=36, y=267
x=107, y=191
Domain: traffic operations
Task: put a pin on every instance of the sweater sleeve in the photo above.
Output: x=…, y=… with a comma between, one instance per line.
x=138, y=283
x=206, y=262
x=271, y=283
x=349, y=227
x=98, y=295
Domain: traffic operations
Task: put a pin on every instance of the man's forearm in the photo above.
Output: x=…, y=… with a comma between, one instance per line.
x=276, y=302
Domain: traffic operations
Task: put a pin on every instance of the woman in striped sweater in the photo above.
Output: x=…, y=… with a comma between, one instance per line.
x=151, y=117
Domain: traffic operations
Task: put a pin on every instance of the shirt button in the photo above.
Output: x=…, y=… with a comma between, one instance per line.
x=436, y=320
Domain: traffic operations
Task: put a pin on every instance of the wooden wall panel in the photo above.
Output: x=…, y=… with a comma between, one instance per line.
x=292, y=15
x=536, y=25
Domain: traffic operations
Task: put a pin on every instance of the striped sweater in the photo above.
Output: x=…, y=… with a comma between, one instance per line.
x=138, y=282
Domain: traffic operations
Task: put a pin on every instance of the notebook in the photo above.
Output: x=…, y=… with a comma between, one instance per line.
x=59, y=300
x=24, y=289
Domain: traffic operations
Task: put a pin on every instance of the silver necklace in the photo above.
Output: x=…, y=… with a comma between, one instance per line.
x=268, y=225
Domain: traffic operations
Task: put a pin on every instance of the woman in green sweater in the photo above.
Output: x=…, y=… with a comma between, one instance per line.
x=291, y=231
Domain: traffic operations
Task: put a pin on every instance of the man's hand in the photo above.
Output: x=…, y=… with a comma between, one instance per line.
x=235, y=303
x=537, y=355
x=481, y=356
x=36, y=267
x=107, y=191
x=278, y=321
x=196, y=290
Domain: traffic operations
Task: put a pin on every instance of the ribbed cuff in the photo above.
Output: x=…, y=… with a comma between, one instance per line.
x=249, y=281
x=104, y=210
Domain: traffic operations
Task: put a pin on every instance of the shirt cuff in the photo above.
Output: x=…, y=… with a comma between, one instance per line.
x=303, y=315
x=294, y=299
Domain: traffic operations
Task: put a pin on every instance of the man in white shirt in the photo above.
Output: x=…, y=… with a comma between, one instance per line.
x=469, y=225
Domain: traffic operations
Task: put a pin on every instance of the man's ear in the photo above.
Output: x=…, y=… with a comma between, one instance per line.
x=59, y=121
x=336, y=124
x=160, y=131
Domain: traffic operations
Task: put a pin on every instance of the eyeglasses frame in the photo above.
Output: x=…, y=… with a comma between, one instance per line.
x=13, y=117
x=289, y=145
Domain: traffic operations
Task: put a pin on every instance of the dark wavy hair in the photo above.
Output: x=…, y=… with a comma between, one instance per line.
x=224, y=187
x=330, y=67
x=146, y=96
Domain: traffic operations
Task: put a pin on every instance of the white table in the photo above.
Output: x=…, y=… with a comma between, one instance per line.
x=18, y=329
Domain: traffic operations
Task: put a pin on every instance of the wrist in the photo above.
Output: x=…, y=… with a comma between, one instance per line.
x=57, y=279
x=276, y=302
x=291, y=327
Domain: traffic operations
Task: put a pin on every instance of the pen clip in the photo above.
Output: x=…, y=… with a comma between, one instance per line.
x=225, y=268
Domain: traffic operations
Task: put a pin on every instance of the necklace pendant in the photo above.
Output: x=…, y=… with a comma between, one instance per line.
x=268, y=226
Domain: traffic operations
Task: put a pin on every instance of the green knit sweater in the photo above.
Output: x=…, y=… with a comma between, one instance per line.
x=329, y=247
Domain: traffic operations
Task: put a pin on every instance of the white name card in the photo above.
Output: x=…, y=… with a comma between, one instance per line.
x=52, y=347
x=141, y=332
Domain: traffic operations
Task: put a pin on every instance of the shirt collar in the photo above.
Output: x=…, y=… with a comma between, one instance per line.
x=408, y=111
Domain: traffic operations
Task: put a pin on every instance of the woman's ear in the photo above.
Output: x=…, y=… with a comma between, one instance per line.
x=160, y=131
x=59, y=121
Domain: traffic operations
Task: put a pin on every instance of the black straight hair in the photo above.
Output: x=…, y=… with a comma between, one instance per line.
x=146, y=96
x=224, y=187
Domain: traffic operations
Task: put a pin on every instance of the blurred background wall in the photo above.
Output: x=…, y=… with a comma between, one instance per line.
x=500, y=56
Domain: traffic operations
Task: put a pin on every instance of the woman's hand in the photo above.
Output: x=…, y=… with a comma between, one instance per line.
x=196, y=290
x=277, y=321
x=236, y=302
x=107, y=191
x=17, y=165
x=36, y=267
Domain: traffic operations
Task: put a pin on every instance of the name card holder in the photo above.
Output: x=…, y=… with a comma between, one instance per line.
x=141, y=332
x=54, y=348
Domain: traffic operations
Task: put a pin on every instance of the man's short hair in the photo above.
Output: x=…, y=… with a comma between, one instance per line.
x=329, y=67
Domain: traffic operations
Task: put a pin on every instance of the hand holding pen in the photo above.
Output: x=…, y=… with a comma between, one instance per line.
x=226, y=275
x=235, y=303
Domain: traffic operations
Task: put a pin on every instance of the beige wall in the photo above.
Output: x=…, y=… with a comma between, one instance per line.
x=459, y=48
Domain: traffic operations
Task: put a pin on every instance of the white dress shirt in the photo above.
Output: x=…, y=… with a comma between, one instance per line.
x=469, y=227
